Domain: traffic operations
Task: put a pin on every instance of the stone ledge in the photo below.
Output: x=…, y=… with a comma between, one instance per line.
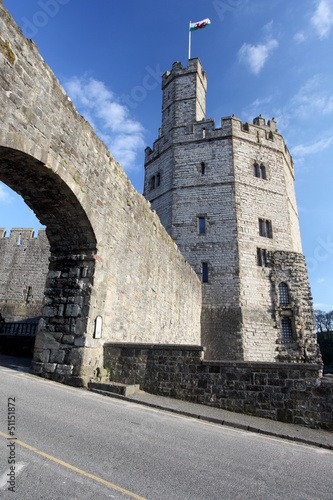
x=265, y=364
x=114, y=388
x=180, y=347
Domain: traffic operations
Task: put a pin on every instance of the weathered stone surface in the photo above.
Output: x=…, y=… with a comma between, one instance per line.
x=109, y=253
x=271, y=390
x=57, y=356
x=64, y=369
x=24, y=264
x=50, y=367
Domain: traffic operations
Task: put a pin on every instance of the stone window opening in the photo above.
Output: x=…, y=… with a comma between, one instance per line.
x=286, y=328
x=201, y=225
x=265, y=228
x=203, y=168
x=262, y=257
x=262, y=172
x=204, y=272
x=203, y=133
x=19, y=240
x=158, y=179
x=152, y=183
x=28, y=294
x=256, y=170
x=259, y=171
x=283, y=294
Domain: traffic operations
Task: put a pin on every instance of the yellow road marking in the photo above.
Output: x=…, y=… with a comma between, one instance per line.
x=75, y=469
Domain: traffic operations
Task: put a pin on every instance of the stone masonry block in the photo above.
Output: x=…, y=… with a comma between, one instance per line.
x=64, y=369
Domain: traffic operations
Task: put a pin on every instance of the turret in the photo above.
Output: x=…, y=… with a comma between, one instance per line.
x=184, y=95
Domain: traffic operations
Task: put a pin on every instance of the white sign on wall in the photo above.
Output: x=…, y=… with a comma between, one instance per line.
x=98, y=327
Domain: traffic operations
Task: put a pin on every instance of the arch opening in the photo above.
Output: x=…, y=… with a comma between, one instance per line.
x=72, y=241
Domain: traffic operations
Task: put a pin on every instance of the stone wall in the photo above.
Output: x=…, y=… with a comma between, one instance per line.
x=111, y=260
x=24, y=262
x=288, y=392
x=290, y=268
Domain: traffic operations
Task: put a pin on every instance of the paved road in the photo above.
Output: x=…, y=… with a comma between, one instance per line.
x=73, y=444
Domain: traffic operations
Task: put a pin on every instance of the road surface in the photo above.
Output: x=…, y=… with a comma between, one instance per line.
x=69, y=443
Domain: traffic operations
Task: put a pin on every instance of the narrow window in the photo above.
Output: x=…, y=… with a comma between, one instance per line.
x=158, y=180
x=262, y=172
x=262, y=257
x=283, y=294
x=204, y=272
x=203, y=133
x=152, y=182
x=202, y=225
x=256, y=170
x=261, y=228
x=286, y=329
x=203, y=168
x=259, y=258
x=265, y=228
x=19, y=240
x=28, y=294
x=268, y=227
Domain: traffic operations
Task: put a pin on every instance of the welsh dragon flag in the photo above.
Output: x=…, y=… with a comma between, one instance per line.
x=199, y=24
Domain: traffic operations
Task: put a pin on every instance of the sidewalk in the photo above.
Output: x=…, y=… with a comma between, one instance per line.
x=297, y=433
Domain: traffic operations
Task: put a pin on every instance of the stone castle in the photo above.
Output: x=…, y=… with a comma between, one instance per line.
x=132, y=294
x=226, y=197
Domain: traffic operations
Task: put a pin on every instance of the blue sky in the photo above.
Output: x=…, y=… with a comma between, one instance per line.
x=270, y=58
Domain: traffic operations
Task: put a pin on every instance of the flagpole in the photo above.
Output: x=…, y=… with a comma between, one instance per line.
x=189, y=41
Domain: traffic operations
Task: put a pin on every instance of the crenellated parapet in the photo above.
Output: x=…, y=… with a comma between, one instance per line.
x=18, y=235
x=258, y=133
x=194, y=66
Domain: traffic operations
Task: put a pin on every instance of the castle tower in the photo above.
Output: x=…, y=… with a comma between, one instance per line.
x=226, y=196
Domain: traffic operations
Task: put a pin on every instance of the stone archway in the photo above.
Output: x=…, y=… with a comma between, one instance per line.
x=72, y=264
x=111, y=258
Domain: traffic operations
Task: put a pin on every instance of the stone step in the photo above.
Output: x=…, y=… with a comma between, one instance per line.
x=114, y=388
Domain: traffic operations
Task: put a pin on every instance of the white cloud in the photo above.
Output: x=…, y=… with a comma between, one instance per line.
x=314, y=98
x=311, y=98
x=255, y=56
x=110, y=119
x=299, y=37
x=5, y=196
x=322, y=19
x=316, y=147
x=261, y=102
x=318, y=305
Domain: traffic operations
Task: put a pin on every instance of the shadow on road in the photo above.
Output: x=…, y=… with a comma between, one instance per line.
x=15, y=363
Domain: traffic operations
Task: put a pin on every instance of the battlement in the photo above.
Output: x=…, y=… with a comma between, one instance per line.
x=257, y=132
x=18, y=235
x=194, y=66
